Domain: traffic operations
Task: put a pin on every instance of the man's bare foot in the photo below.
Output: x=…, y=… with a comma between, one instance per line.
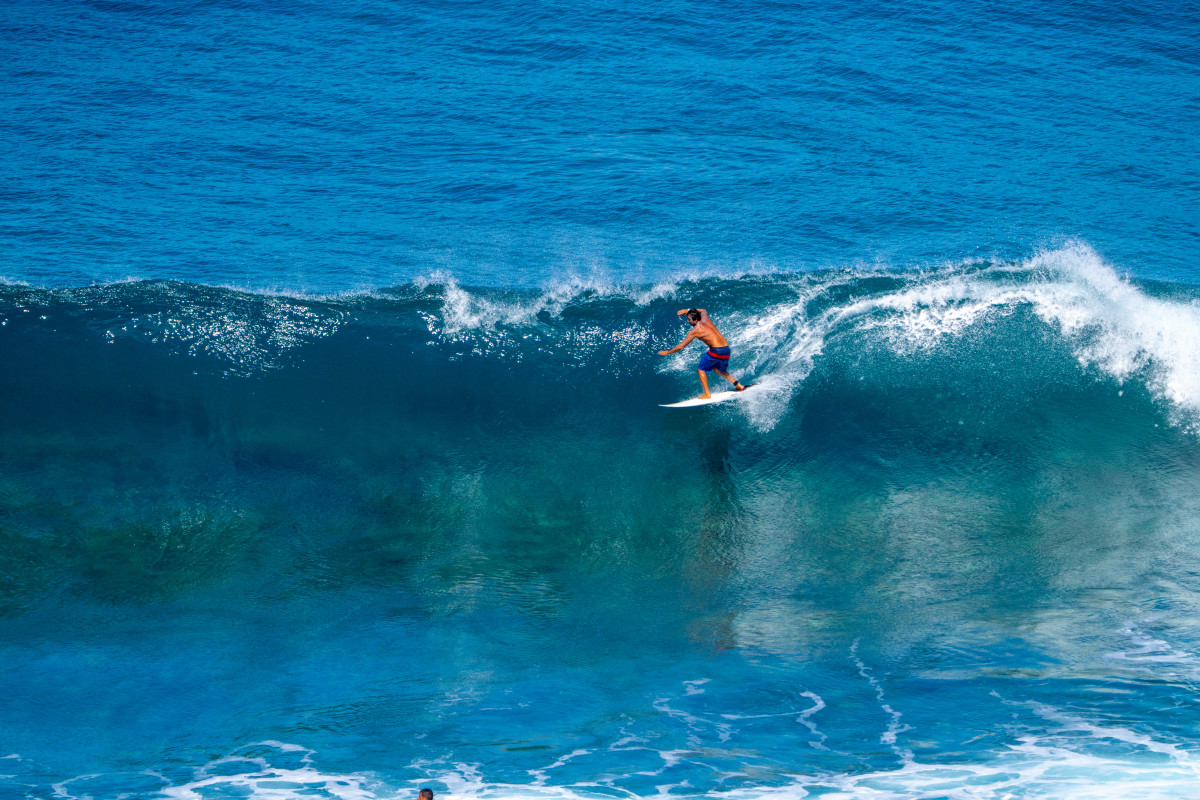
x=738, y=387
x=705, y=396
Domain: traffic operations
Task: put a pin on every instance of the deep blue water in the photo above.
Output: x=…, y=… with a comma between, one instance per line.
x=331, y=455
x=333, y=146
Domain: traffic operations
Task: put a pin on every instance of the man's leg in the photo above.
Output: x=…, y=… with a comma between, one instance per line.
x=704, y=382
x=737, y=386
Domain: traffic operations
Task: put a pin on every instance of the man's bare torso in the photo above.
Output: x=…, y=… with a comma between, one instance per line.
x=708, y=333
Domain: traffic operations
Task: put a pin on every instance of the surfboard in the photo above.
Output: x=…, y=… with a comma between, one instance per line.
x=717, y=397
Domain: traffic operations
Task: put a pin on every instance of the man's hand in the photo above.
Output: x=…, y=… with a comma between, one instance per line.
x=664, y=352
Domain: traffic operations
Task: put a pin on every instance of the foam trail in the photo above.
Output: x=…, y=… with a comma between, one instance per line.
x=804, y=719
x=895, y=727
x=1070, y=722
x=540, y=776
x=1151, y=655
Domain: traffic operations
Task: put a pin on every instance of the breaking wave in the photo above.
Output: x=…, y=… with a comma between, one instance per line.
x=1061, y=316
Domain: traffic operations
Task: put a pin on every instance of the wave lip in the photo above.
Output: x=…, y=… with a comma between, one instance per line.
x=1122, y=331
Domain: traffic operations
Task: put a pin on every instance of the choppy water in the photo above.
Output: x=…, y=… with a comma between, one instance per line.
x=331, y=460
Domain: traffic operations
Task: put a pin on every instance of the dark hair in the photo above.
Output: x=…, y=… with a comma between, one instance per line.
x=426, y=794
x=693, y=315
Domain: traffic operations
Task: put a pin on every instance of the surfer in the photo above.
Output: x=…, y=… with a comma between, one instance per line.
x=717, y=355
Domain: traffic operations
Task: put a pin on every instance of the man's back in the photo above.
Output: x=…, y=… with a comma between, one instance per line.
x=707, y=332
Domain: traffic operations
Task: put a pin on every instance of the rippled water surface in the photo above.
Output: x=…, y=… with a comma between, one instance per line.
x=334, y=146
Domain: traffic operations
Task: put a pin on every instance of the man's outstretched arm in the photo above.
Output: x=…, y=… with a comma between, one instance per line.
x=686, y=340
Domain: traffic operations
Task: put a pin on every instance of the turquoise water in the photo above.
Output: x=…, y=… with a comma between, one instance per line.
x=331, y=455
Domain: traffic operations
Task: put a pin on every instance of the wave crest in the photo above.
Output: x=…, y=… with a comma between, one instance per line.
x=782, y=327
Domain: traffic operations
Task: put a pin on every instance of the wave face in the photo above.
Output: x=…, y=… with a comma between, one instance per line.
x=447, y=535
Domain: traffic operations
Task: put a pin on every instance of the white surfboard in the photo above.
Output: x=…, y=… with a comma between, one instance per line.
x=717, y=397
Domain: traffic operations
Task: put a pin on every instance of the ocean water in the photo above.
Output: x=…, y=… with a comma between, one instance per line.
x=331, y=456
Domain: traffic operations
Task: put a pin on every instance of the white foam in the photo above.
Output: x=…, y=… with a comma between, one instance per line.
x=1153, y=655
x=464, y=310
x=1122, y=331
x=696, y=725
x=540, y=775
x=1031, y=767
x=1053, y=763
x=805, y=719
x=894, y=727
x=1110, y=325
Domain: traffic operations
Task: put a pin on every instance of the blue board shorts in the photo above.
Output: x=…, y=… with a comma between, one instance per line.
x=715, y=358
